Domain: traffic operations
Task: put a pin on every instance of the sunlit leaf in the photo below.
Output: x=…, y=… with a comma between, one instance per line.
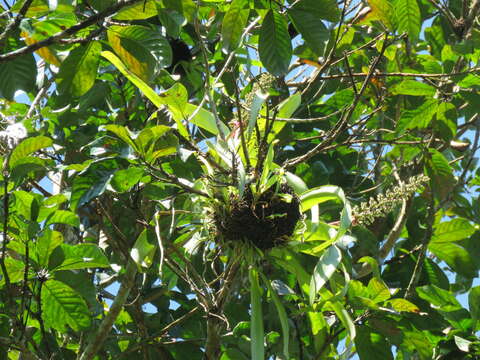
x=234, y=24
x=45, y=52
x=79, y=70
x=326, y=266
x=439, y=298
x=256, y=327
x=144, y=249
x=408, y=16
x=62, y=306
x=381, y=10
x=453, y=230
x=143, y=50
x=81, y=256
x=412, y=87
x=46, y=244
x=28, y=147
x=63, y=217
x=139, y=11
x=403, y=305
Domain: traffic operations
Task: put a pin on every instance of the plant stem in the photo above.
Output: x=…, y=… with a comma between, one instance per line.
x=97, y=341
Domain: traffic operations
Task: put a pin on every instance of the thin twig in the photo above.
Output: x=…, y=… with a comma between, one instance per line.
x=423, y=250
x=208, y=87
x=68, y=32
x=15, y=23
x=339, y=127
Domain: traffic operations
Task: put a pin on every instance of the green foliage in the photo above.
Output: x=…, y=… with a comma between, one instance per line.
x=239, y=179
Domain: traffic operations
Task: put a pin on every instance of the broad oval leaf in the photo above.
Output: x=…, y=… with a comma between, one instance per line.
x=139, y=11
x=144, y=249
x=63, y=217
x=79, y=70
x=372, y=345
x=413, y=87
x=274, y=45
x=28, y=147
x=322, y=9
x=311, y=28
x=453, y=230
x=92, y=182
x=408, y=16
x=62, y=306
x=45, y=245
x=144, y=50
x=234, y=24
x=17, y=74
x=124, y=179
x=439, y=298
x=81, y=256
x=403, y=305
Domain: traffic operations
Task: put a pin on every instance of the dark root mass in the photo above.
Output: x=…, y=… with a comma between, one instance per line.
x=266, y=223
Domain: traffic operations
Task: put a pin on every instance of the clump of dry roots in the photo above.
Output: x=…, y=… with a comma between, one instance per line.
x=265, y=222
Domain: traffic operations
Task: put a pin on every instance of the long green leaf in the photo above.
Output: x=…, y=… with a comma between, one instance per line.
x=372, y=346
x=282, y=315
x=439, y=298
x=62, y=306
x=144, y=88
x=256, y=324
x=139, y=11
x=17, y=74
x=27, y=147
x=344, y=317
x=320, y=195
x=311, y=27
x=258, y=100
x=234, y=24
x=79, y=70
x=82, y=256
x=453, y=230
x=45, y=245
x=274, y=45
x=143, y=251
x=142, y=49
x=408, y=17
x=322, y=9
x=414, y=88
x=326, y=266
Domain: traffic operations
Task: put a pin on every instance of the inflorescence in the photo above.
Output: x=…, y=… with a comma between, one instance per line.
x=383, y=204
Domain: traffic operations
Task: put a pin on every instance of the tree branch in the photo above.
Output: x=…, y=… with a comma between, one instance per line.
x=70, y=31
x=423, y=250
x=339, y=127
x=97, y=341
x=15, y=23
